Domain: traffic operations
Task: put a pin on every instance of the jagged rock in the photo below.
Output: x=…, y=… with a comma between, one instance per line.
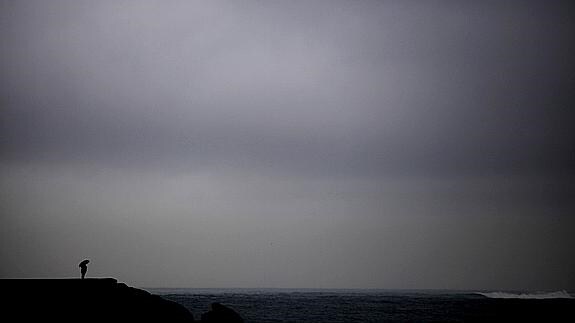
x=84, y=300
x=221, y=314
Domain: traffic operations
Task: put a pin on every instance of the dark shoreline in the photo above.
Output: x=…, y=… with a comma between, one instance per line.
x=81, y=300
x=106, y=299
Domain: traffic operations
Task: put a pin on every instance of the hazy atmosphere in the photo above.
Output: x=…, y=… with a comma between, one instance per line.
x=321, y=144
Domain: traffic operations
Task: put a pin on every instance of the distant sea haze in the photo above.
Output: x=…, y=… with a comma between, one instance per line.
x=357, y=305
x=538, y=295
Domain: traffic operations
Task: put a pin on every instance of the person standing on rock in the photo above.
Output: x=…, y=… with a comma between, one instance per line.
x=84, y=267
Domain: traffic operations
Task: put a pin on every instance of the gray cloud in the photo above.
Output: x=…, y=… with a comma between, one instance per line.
x=365, y=86
x=374, y=116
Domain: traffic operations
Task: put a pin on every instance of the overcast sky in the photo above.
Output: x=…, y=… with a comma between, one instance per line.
x=355, y=144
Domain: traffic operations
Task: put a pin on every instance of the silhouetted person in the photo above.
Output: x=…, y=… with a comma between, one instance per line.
x=84, y=267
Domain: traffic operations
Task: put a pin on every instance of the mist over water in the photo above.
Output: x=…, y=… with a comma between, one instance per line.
x=538, y=295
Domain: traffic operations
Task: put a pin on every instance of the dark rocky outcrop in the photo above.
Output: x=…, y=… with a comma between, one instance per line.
x=84, y=300
x=220, y=313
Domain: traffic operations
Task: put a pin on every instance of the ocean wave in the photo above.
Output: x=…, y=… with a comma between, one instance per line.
x=536, y=295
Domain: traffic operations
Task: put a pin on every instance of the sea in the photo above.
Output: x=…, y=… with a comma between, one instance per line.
x=360, y=305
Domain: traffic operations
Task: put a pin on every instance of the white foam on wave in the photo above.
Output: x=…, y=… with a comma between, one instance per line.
x=537, y=295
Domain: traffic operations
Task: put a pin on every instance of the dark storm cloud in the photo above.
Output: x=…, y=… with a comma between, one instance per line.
x=344, y=88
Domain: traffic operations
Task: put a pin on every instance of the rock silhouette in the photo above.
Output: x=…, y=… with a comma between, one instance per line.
x=95, y=300
x=85, y=300
x=221, y=314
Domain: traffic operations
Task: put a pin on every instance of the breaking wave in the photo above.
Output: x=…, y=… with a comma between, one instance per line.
x=536, y=295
